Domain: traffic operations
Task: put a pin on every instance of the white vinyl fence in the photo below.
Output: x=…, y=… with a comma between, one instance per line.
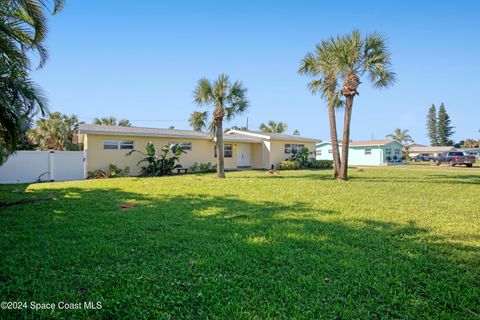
x=34, y=166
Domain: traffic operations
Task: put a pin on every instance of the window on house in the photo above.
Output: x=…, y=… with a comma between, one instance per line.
x=330, y=151
x=319, y=152
x=227, y=151
x=117, y=144
x=397, y=152
x=388, y=151
x=368, y=151
x=185, y=146
x=293, y=148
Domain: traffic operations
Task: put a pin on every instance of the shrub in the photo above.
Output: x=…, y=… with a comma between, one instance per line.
x=289, y=165
x=310, y=164
x=320, y=164
x=203, y=167
x=159, y=165
x=113, y=171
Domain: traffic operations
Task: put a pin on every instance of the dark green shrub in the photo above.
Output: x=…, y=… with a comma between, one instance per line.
x=320, y=164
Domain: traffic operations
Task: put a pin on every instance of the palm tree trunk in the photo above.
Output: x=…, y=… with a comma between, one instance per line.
x=346, y=136
x=219, y=147
x=334, y=140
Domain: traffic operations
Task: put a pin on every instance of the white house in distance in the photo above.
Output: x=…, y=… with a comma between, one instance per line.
x=371, y=153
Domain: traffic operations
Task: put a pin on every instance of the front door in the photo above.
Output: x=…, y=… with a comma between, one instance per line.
x=243, y=155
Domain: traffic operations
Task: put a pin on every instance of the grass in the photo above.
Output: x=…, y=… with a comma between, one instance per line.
x=398, y=242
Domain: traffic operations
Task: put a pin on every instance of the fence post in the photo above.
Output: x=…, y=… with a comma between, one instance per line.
x=51, y=165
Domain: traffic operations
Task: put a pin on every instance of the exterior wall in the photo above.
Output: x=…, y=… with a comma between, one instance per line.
x=98, y=158
x=202, y=152
x=277, y=151
x=357, y=156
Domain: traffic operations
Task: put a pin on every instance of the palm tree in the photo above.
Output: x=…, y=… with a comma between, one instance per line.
x=23, y=28
x=274, y=127
x=401, y=136
x=227, y=100
x=56, y=132
x=20, y=99
x=321, y=66
x=355, y=57
x=198, y=120
x=296, y=132
x=112, y=121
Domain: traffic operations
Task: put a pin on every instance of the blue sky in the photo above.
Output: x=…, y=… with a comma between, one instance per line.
x=141, y=62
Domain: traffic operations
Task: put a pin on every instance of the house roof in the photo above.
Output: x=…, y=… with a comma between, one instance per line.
x=158, y=132
x=367, y=143
x=271, y=136
x=427, y=149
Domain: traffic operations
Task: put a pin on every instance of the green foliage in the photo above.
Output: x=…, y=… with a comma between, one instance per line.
x=56, y=132
x=296, y=132
x=203, y=167
x=302, y=157
x=273, y=127
x=432, y=130
x=289, y=165
x=401, y=136
x=20, y=100
x=112, y=121
x=295, y=245
x=113, y=171
x=320, y=164
x=444, y=127
x=159, y=165
x=198, y=120
x=471, y=143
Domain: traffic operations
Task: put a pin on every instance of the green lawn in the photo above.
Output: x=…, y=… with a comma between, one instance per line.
x=399, y=242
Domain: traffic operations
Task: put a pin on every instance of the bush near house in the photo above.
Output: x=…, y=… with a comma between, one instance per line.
x=162, y=164
x=113, y=171
x=301, y=160
x=203, y=167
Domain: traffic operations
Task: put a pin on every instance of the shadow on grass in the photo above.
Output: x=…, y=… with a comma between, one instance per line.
x=203, y=256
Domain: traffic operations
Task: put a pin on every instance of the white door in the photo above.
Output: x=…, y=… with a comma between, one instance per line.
x=243, y=155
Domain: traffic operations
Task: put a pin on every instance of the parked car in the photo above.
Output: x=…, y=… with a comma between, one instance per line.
x=454, y=158
x=423, y=157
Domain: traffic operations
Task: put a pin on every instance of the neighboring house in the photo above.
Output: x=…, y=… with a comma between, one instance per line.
x=243, y=149
x=415, y=150
x=372, y=153
x=472, y=152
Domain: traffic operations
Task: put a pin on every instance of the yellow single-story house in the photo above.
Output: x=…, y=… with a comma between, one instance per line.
x=104, y=145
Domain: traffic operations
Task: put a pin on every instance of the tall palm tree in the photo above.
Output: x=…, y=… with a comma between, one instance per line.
x=401, y=136
x=321, y=66
x=55, y=132
x=274, y=127
x=227, y=100
x=112, y=121
x=198, y=120
x=355, y=57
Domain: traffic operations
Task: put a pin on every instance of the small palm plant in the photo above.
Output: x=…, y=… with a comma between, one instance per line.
x=227, y=100
x=159, y=165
